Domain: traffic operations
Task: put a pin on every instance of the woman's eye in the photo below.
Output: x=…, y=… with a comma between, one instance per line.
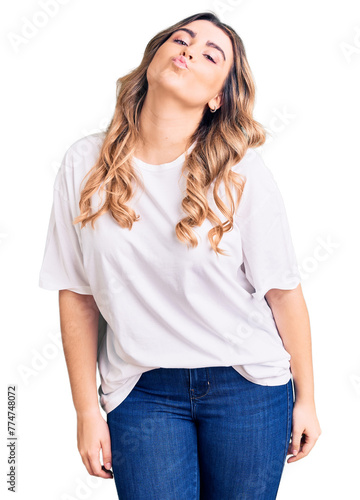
x=210, y=58
x=182, y=42
x=178, y=40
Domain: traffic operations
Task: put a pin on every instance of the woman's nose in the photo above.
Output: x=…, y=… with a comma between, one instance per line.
x=185, y=54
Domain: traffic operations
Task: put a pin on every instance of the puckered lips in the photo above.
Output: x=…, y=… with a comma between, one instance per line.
x=180, y=62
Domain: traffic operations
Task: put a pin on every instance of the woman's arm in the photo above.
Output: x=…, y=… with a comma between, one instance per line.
x=79, y=316
x=293, y=323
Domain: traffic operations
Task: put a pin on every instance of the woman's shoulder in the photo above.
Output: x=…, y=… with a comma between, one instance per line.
x=78, y=159
x=252, y=163
x=254, y=169
x=85, y=148
x=260, y=183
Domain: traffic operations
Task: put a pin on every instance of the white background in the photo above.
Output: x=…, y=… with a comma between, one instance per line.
x=59, y=85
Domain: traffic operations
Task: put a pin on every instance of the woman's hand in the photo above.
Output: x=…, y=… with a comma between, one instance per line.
x=92, y=435
x=305, y=430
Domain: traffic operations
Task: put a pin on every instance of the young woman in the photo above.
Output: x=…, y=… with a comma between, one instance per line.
x=169, y=229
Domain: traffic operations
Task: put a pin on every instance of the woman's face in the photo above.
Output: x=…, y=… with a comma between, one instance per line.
x=207, y=66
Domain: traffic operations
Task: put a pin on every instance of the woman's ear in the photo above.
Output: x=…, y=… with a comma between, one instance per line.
x=216, y=102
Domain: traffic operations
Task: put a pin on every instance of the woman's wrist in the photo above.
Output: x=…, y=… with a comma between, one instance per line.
x=88, y=412
x=305, y=400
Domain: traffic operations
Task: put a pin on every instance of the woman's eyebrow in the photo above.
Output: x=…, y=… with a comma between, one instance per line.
x=208, y=43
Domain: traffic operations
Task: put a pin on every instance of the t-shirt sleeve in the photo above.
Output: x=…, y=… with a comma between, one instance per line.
x=62, y=267
x=268, y=251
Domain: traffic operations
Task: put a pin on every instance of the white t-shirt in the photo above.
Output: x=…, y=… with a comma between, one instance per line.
x=167, y=305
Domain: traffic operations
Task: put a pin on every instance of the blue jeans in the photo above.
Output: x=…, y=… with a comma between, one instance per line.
x=200, y=433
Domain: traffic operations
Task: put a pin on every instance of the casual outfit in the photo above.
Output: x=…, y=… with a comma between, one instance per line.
x=173, y=313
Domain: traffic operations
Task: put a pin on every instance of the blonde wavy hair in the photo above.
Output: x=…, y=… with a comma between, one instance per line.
x=222, y=139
